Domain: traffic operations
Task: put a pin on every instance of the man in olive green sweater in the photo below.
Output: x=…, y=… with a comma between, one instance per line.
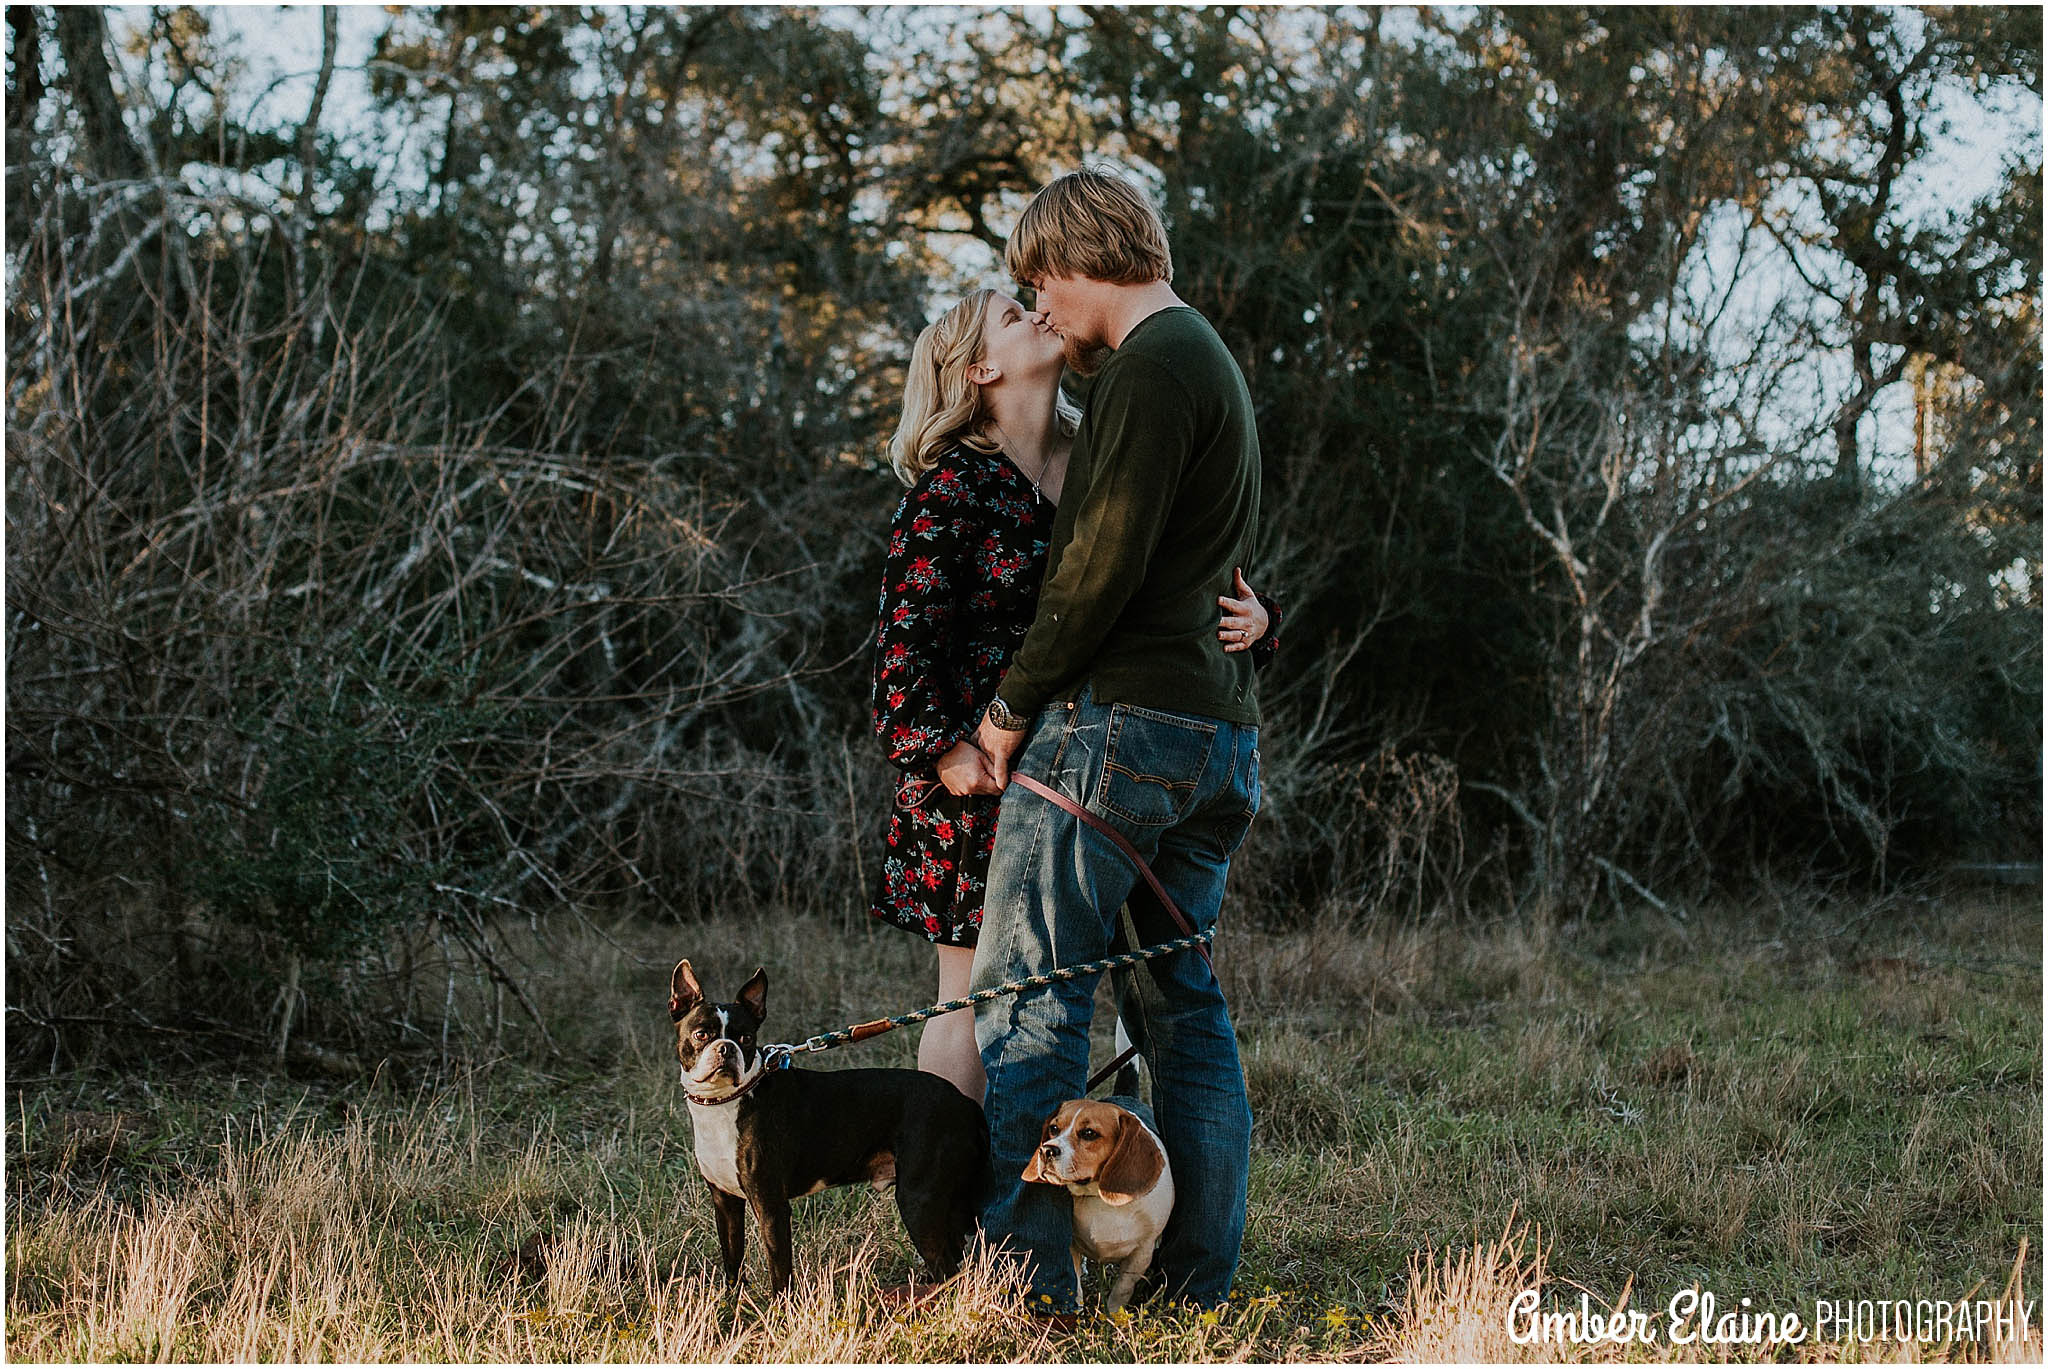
x=1122, y=698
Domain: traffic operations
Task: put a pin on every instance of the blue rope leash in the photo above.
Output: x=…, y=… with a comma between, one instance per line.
x=778, y=1057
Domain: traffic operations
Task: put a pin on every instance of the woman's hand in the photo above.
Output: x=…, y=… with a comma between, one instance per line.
x=964, y=770
x=1244, y=619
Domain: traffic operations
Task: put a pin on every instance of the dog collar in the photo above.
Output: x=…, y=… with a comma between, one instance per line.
x=769, y=1066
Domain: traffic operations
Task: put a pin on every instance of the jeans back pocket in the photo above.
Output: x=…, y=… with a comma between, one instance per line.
x=1152, y=764
x=1251, y=784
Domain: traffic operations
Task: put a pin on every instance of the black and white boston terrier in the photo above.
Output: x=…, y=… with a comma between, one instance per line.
x=767, y=1135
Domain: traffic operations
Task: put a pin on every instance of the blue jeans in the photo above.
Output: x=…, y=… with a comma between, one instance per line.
x=1183, y=790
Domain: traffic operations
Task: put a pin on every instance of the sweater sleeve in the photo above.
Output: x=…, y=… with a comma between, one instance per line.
x=1136, y=438
x=916, y=706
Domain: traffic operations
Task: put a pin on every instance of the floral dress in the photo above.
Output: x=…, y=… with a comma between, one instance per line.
x=967, y=551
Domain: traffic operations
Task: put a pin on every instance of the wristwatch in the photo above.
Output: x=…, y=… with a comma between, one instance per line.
x=999, y=713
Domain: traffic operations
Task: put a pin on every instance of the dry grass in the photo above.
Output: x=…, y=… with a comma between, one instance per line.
x=1446, y=1117
x=1458, y=1308
x=389, y=1240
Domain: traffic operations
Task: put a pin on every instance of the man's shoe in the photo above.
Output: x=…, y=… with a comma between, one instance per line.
x=1057, y=1323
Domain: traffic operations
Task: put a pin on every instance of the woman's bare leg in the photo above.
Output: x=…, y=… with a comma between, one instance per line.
x=947, y=1047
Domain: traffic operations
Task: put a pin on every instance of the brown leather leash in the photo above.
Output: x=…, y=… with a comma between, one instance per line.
x=1130, y=853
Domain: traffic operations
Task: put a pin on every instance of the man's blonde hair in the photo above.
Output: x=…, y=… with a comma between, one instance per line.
x=1091, y=224
x=942, y=407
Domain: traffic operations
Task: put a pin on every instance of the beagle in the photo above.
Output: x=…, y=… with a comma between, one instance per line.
x=1113, y=1164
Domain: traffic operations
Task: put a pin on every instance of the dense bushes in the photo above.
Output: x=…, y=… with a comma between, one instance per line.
x=388, y=559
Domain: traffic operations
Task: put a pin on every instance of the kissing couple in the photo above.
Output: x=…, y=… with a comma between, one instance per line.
x=1064, y=595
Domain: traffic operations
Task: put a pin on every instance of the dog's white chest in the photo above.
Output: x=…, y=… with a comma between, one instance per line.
x=716, y=1134
x=1111, y=1235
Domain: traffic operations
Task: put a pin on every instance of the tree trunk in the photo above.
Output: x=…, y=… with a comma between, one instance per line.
x=25, y=81
x=82, y=38
x=309, y=165
x=1920, y=387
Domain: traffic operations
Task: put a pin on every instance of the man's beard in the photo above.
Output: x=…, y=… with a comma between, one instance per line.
x=1083, y=358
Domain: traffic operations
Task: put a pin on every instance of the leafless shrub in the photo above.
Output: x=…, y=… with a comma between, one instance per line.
x=1388, y=831
x=310, y=686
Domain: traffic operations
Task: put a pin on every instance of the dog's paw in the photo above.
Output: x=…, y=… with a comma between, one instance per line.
x=529, y=1262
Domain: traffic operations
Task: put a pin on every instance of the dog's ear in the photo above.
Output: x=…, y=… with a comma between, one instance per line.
x=755, y=995
x=1134, y=1163
x=684, y=992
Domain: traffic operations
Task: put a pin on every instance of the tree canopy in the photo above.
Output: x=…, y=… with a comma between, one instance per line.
x=449, y=479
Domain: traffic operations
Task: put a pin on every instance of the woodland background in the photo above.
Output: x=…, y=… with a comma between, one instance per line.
x=467, y=517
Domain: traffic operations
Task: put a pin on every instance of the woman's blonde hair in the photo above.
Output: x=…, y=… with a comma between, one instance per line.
x=942, y=407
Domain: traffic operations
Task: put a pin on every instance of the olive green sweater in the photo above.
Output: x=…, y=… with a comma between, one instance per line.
x=1161, y=503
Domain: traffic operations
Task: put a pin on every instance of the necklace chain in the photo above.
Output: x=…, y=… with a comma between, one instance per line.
x=1009, y=452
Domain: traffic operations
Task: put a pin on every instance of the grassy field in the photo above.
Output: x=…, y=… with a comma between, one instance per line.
x=1782, y=1105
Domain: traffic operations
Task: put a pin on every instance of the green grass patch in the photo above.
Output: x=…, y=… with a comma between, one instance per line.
x=1770, y=1108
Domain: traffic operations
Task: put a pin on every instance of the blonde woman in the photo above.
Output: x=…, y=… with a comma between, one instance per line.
x=983, y=445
